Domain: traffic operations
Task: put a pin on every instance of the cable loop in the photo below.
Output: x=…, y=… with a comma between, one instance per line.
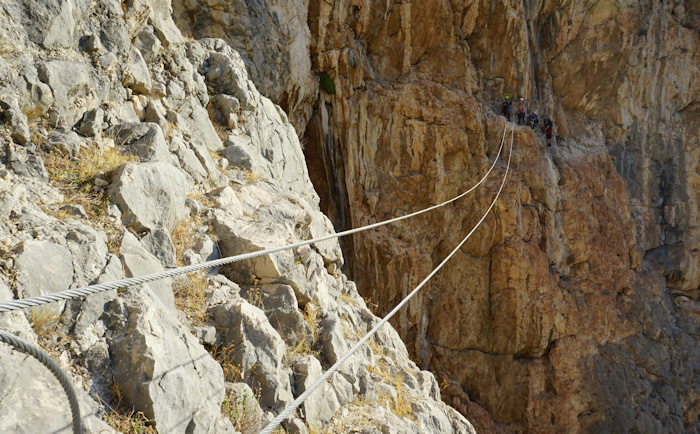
x=56, y=370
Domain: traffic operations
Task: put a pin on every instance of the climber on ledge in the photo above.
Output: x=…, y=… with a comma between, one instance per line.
x=521, y=111
x=506, y=108
x=548, y=130
x=534, y=120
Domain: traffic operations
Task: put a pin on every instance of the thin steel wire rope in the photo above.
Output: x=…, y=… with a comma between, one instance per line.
x=123, y=283
x=288, y=411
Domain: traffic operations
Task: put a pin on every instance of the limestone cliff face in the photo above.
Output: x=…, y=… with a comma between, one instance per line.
x=575, y=306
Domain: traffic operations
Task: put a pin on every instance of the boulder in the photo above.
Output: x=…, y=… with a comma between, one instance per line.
x=216, y=178
x=92, y=307
x=42, y=267
x=430, y=416
x=50, y=23
x=257, y=349
x=24, y=162
x=92, y=123
x=148, y=44
x=228, y=106
x=237, y=236
x=160, y=245
x=154, y=112
x=163, y=371
x=335, y=346
x=5, y=292
x=321, y=405
x=225, y=199
x=65, y=142
x=89, y=252
x=280, y=305
x=238, y=155
x=203, y=130
x=75, y=211
x=73, y=89
x=137, y=261
x=330, y=249
x=137, y=76
x=149, y=195
x=142, y=139
x=31, y=218
x=18, y=123
x=10, y=195
x=34, y=401
x=188, y=160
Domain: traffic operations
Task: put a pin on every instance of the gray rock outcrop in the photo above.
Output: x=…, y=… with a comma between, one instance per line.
x=180, y=386
x=149, y=195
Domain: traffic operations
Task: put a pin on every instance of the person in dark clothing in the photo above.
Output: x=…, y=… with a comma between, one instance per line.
x=506, y=108
x=521, y=111
x=534, y=120
x=548, y=131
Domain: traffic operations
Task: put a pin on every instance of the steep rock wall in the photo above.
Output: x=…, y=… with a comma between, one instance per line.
x=575, y=306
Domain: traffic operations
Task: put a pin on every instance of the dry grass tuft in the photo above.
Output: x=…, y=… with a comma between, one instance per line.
x=185, y=236
x=75, y=176
x=305, y=346
x=347, y=299
x=222, y=354
x=93, y=161
x=308, y=344
x=75, y=179
x=312, y=319
x=252, y=177
x=34, y=114
x=255, y=294
x=402, y=407
x=190, y=297
x=376, y=349
x=243, y=412
x=122, y=419
x=44, y=320
x=131, y=422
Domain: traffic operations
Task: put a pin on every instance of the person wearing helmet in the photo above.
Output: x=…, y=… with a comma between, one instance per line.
x=534, y=120
x=521, y=111
x=506, y=108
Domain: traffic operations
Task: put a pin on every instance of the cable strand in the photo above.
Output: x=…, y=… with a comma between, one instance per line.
x=286, y=412
x=92, y=289
x=56, y=370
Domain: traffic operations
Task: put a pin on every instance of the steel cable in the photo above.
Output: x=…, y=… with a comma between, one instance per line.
x=56, y=370
x=288, y=411
x=93, y=289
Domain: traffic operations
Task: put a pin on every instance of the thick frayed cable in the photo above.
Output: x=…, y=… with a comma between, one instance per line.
x=56, y=370
x=288, y=411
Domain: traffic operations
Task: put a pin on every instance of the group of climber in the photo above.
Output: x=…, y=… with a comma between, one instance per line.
x=532, y=120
